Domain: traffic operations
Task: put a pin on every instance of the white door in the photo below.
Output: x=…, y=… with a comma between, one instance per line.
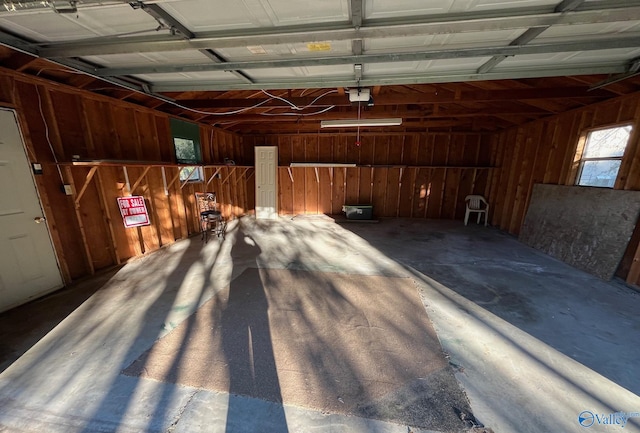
x=28, y=265
x=266, y=182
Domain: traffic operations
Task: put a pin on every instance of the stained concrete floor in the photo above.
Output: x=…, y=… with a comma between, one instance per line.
x=536, y=345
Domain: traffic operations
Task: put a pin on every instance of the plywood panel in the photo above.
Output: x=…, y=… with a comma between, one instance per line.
x=366, y=150
x=396, y=149
x=563, y=222
x=435, y=192
x=324, y=191
x=411, y=149
x=299, y=190
x=339, y=177
x=298, y=149
x=450, y=198
x=340, y=149
x=67, y=109
x=312, y=191
x=465, y=187
x=160, y=206
x=284, y=151
x=426, y=146
x=365, y=185
x=405, y=196
x=325, y=149
x=165, y=141
x=98, y=129
x=421, y=191
x=352, y=186
x=392, y=202
x=285, y=192
x=126, y=134
x=147, y=136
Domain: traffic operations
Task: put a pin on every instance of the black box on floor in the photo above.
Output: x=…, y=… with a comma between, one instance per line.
x=358, y=211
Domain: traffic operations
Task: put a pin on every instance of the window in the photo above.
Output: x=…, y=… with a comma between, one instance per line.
x=602, y=155
x=192, y=173
x=186, y=142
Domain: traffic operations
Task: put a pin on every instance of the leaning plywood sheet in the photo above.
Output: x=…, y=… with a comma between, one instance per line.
x=588, y=228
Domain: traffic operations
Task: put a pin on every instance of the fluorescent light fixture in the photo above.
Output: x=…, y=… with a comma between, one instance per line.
x=362, y=122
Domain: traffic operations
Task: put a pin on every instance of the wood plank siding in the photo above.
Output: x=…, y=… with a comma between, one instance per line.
x=422, y=174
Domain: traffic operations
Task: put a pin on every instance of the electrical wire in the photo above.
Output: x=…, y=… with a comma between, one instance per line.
x=46, y=134
x=324, y=110
x=217, y=114
x=294, y=106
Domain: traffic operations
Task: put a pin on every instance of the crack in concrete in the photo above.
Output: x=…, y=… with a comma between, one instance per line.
x=178, y=416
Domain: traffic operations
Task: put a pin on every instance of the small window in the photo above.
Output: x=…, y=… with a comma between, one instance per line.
x=186, y=143
x=602, y=156
x=191, y=173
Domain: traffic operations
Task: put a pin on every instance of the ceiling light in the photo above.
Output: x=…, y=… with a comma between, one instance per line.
x=360, y=122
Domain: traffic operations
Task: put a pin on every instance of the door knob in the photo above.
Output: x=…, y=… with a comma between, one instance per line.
x=39, y=220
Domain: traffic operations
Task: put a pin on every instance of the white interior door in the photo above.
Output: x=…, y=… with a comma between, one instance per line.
x=266, y=182
x=28, y=265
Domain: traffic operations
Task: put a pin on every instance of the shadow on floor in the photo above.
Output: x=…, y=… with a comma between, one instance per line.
x=25, y=325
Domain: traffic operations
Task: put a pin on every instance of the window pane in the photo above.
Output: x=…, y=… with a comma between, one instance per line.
x=606, y=143
x=185, y=150
x=193, y=174
x=599, y=173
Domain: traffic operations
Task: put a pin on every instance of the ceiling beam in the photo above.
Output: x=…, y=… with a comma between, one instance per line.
x=594, y=44
x=166, y=19
x=530, y=34
x=405, y=114
x=389, y=80
x=447, y=24
x=357, y=13
x=439, y=97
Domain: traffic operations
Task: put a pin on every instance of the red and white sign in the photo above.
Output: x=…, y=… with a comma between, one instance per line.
x=134, y=211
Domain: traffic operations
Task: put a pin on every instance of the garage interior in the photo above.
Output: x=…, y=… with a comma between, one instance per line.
x=299, y=319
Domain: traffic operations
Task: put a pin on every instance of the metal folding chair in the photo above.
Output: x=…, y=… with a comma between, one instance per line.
x=211, y=220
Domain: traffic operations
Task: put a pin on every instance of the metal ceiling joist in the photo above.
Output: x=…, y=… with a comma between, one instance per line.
x=357, y=13
x=448, y=24
x=310, y=83
x=168, y=20
x=219, y=59
x=589, y=45
x=73, y=64
x=533, y=32
x=417, y=98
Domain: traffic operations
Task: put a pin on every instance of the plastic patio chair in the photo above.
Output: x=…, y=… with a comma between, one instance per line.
x=477, y=204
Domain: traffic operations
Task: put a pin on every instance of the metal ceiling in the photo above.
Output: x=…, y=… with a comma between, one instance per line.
x=197, y=50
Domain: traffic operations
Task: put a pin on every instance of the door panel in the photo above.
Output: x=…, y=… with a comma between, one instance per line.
x=266, y=182
x=28, y=266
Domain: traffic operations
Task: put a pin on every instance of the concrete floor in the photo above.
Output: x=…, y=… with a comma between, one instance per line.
x=534, y=343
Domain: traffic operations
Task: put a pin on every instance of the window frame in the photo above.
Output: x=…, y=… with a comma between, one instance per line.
x=584, y=139
x=188, y=131
x=191, y=178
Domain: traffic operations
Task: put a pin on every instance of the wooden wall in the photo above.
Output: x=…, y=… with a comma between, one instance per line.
x=548, y=151
x=422, y=175
x=59, y=122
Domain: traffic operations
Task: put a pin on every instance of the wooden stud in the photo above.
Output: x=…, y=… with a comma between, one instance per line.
x=213, y=176
x=83, y=234
x=140, y=178
x=108, y=220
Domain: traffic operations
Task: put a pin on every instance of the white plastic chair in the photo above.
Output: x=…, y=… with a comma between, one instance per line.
x=478, y=204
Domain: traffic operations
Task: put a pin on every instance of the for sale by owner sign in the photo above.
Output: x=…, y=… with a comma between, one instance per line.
x=134, y=211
